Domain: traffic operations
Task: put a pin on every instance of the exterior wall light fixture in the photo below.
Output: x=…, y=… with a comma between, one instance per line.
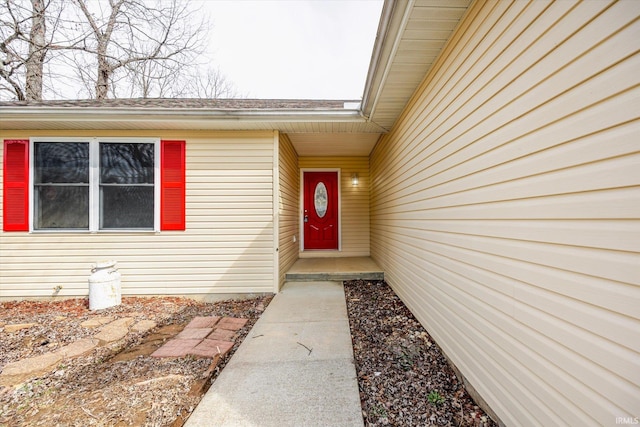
x=354, y=179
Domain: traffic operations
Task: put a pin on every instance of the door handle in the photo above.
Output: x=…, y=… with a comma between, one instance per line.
x=306, y=218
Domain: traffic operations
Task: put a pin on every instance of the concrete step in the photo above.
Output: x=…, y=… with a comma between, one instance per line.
x=334, y=276
x=334, y=269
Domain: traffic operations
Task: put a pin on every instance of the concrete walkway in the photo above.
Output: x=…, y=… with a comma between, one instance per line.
x=295, y=368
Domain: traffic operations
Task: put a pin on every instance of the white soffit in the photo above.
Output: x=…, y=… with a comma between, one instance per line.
x=334, y=144
x=79, y=121
x=411, y=35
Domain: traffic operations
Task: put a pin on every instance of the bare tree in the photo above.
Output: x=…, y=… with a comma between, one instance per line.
x=105, y=48
x=211, y=84
x=136, y=35
x=37, y=52
x=153, y=80
x=14, y=47
x=27, y=31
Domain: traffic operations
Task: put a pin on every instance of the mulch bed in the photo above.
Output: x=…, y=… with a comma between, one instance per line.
x=403, y=376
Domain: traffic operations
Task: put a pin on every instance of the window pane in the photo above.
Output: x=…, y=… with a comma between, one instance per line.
x=60, y=206
x=126, y=207
x=61, y=162
x=126, y=163
x=321, y=200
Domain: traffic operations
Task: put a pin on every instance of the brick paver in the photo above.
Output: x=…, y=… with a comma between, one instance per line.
x=231, y=323
x=176, y=348
x=201, y=338
x=222, y=335
x=194, y=333
x=209, y=348
x=203, y=322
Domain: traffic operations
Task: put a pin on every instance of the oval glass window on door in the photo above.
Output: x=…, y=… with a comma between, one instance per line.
x=320, y=199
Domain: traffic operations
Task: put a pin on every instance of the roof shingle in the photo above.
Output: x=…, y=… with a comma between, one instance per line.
x=188, y=103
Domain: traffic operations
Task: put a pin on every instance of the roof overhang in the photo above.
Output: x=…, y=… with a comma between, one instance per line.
x=411, y=35
x=297, y=120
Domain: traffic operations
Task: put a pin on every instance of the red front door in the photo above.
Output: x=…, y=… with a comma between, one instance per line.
x=320, y=210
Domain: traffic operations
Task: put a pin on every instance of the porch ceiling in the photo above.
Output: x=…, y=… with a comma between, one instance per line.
x=333, y=144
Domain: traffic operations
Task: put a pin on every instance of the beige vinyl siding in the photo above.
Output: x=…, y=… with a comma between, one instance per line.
x=354, y=203
x=505, y=208
x=226, y=248
x=289, y=196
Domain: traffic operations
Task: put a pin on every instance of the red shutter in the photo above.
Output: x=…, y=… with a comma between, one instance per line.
x=172, y=185
x=15, y=190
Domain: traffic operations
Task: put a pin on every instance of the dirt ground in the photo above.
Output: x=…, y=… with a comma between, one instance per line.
x=403, y=376
x=119, y=384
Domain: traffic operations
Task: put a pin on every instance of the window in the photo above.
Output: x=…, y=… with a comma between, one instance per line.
x=98, y=184
x=61, y=185
x=127, y=177
x=94, y=185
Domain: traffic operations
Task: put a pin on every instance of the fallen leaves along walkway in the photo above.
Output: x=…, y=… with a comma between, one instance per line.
x=404, y=378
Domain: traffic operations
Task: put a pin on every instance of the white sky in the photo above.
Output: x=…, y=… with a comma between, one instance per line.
x=294, y=49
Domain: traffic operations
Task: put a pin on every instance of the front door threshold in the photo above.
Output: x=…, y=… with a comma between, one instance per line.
x=334, y=269
x=319, y=253
x=333, y=277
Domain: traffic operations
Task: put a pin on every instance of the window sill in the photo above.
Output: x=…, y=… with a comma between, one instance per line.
x=122, y=231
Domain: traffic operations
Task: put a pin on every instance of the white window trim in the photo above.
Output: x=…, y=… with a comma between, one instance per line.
x=94, y=182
